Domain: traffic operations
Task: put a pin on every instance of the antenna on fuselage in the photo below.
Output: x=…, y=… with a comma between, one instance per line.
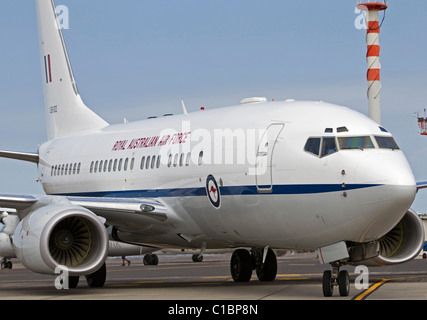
x=373, y=55
x=184, y=109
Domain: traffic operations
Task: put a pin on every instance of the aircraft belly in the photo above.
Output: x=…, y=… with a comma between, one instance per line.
x=290, y=221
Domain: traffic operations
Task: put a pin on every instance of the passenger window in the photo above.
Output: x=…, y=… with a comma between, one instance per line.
x=110, y=165
x=78, y=167
x=125, y=167
x=105, y=165
x=328, y=146
x=187, y=161
x=119, y=167
x=200, y=158
x=158, y=162
x=101, y=163
x=313, y=146
x=132, y=163
x=181, y=160
x=153, y=161
x=142, y=162
x=115, y=165
x=74, y=168
x=175, y=160
x=169, y=160
x=147, y=164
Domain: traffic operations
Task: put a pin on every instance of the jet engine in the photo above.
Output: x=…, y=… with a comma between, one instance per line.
x=401, y=244
x=61, y=235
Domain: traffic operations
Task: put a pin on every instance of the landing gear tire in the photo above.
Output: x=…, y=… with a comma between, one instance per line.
x=267, y=271
x=5, y=264
x=73, y=281
x=241, y=265
x=344, y=283
x=327, y=285
x=151, y=260
x=197, y=258
x=97, y=279
x=336, y=278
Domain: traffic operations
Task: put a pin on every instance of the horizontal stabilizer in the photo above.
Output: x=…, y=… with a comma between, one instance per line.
x=421, y=185
x=24, y=156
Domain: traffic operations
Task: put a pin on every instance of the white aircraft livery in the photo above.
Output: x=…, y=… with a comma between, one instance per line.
x=258, y=176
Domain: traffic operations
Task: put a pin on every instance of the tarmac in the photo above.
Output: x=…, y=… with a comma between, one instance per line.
x=177, y=278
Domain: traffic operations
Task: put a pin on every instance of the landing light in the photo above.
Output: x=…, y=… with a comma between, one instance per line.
x=146, y=208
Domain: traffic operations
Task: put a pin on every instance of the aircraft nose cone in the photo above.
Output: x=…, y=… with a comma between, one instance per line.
x=389, y=168
x=391, y=194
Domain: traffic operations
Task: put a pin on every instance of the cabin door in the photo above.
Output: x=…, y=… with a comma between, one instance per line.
x=264, y=158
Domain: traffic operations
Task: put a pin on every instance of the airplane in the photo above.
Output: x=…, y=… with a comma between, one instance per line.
x=265, y=175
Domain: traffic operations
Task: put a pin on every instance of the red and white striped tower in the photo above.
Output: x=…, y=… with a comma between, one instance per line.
x=373, y=56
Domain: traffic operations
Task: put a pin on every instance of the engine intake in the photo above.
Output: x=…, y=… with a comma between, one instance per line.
x=61, y=235
x=401, y=244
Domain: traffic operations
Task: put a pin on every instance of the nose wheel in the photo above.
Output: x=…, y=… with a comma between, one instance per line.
x=337, y=278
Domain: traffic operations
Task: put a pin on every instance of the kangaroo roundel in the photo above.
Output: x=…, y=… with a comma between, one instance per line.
x=212, y=191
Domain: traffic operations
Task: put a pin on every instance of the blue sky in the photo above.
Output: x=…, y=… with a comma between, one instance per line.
x=136, y=58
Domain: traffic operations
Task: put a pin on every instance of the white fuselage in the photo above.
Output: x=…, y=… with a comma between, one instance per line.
x=272, y=191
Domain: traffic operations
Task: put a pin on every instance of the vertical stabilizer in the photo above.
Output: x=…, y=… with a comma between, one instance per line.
x=65, y=111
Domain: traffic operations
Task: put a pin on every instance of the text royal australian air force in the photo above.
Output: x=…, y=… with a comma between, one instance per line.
x=232, y=146
x=153, y=141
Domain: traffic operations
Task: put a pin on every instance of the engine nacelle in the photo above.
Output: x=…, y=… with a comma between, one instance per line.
x=401, y=244
x=61, y=235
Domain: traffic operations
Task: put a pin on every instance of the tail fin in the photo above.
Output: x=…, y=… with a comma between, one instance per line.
x=65, y=111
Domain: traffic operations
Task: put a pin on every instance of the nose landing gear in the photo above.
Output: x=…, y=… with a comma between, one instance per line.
x=336, y=278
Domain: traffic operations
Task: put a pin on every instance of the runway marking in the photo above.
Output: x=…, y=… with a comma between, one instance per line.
x=369, y=291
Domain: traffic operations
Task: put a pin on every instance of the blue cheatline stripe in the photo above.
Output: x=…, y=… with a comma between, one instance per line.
x=45, y=69
x=293, y=189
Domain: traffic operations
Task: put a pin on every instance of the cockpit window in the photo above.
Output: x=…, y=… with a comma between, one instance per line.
x=321, y=146
x=363, y=142
x=313, y=146
x=328, y=146
x=386, y=142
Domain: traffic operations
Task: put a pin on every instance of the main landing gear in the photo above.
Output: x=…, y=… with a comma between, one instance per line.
x=336, y=278
x=262, y=260
x=6, y=264
x=94, y=280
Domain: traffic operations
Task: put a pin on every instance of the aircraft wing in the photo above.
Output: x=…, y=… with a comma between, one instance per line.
x=17, y=202
x=120, y=212
x=110, y=207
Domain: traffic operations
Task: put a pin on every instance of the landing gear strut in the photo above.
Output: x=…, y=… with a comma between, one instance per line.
x=336, y=278
x=262, y=260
